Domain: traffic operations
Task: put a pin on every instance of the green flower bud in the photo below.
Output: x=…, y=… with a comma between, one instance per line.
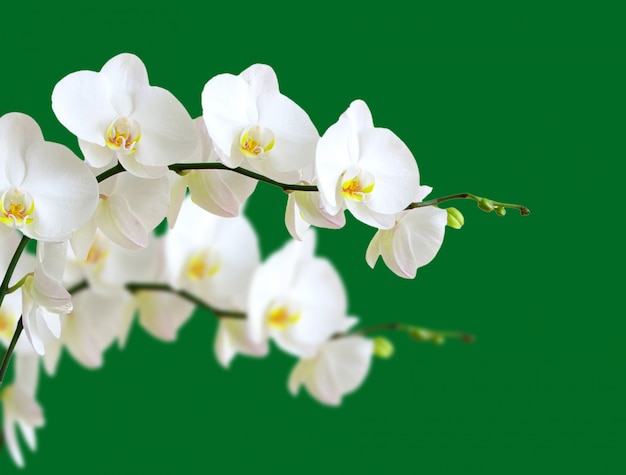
x=500, y=211
x=383, y=347
x=455, y=218
x=486, y=204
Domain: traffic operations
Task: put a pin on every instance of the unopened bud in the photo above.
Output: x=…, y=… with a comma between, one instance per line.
x=383, y=347
x=420, y=334
x=500, y=211
x=455, y=218
x=486, y=204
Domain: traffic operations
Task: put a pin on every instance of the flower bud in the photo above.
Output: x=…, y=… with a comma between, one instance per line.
x=383, y=348
x=455, y=218
x=486, y=204
x=500, y=211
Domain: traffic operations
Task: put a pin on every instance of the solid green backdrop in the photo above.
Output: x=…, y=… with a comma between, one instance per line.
x=520, y=103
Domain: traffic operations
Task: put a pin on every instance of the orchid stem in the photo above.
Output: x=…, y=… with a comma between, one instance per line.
x=182, y=167
x=135, y=287
x=9, y=351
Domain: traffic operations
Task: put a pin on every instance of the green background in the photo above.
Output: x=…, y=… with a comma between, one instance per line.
x=514, y=101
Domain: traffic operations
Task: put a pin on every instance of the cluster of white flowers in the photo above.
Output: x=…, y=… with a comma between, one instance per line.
x=98, y=262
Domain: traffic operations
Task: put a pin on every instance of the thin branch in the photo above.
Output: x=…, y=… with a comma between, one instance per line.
x=4, y=287
x=9, y=351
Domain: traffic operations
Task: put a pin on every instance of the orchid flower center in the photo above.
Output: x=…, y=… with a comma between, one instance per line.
x=202, y=265
x=17, y=207
x=255, y=141
x=280, y=318
x=123, y=135
x=97, y=253
x=357, y=184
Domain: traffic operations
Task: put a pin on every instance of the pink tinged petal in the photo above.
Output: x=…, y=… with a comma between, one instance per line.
x=131, y=165
x=81, y=102
x=261, y=79
x=332, y=159
x=313, y=212
x=168, y=134
x=50, y=294
x=127, y=75
x=373, y=250
x=391, y=163
x=361, y=211
x=295, y=135
x=225, y=112
x=119, y=224
x=232, y=338
x=52, y=356
x=64, y=191
x=343, y=366
x=418, y=238
x=220, y=192
x=97, y=156
x=224, y=348
x=387, y=251
x=162, y=314
x=178, y=191
x=296, y=225
x=299, y=374
x=31, y=329
x=17, y=132
x=148, y=200
x=128, y=315
x=82, y=238
x=11, y=439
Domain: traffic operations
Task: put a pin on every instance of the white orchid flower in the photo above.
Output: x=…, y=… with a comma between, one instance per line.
x=44, y=299
x=128, y=211
x=88, y=330
x=116, y=113
x=220, y=192
x=339, y=367
x=212, y=257
x=367, y=169
x=251, y=123
x=20, y=407
x=413, y=241
x=46, y=191
x=296, y=299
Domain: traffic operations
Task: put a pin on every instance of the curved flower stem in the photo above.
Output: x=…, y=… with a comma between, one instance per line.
x=15, y=287
x=4, y=287
x=524, y=211
x=9, y=351
x=182, y=167
x=135, y=287
x=110, y=172
x=417, y=333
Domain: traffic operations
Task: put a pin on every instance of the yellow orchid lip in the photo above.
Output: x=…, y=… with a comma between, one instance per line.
x=280, y=318
x=17, y=208
x=123, y=135
x=358, y=187
x=202, y=265
x=256, y=141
